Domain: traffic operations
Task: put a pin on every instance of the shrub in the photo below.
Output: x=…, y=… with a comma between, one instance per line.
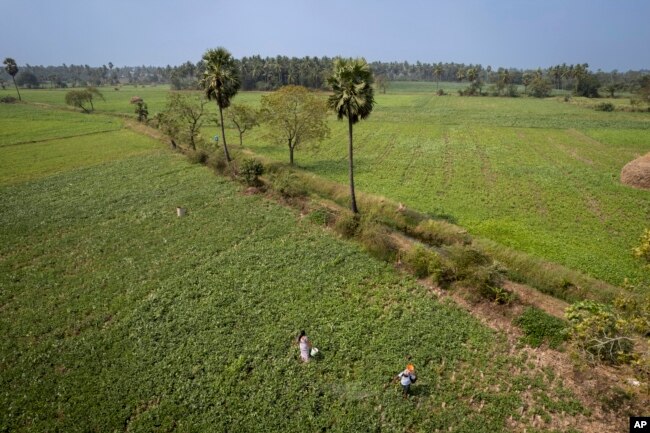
x=598, y=332
x=643, y=250
x=287, y=184
x=250, y=171
x=422, y=261
x=438, y=233
x=8, y=99
x=440, y=92
x=200, y=156
x=347, y=224
x=539, y=327
x=604, y=106
x=377, y=240
x=217, y=162
x=475, y=270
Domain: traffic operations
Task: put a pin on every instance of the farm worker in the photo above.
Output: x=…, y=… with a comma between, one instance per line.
x=305, y=345
x=406, y=378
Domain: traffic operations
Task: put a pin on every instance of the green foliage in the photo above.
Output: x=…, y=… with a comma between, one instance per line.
x=243, y=117
x=642, y=251
x=540, y=327
x=604, y=106
x=347, y=224
x=539, y=87
x=200, y=156
x=141, y=108
x=294, y=115
x=587, y=85
x=421, y=261
x=183, y=117
x=477, y=271
x=83, y=98
x=376, y=239
x=250, y=170
x=321, y=216
x=8, y=100
x=287, y=184
x=598, y=331
x=220, y=80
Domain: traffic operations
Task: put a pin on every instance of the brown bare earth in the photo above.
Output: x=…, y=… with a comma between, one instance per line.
x=637, y=172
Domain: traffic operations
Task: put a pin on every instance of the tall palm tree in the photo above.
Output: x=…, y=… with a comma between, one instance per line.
x=353, y=97
x=437, y=71
x=221, y=83
x=12, y=69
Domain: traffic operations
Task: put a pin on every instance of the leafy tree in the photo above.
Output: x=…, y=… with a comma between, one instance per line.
x=83, y=98
x=12, y=69
x=539, y=87
x=221, y=82
x=353, y=98
x=612, y=89
x=243, y=117
x=182, y=117
x=295, y=115
x=526, y=79
x=141, y=108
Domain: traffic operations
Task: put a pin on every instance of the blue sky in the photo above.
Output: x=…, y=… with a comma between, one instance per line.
x=607, y=34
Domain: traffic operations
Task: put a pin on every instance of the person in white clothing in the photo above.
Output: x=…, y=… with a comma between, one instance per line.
x=305, y=346
x=406, y=378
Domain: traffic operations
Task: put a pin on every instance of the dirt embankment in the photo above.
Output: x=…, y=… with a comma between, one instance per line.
x=637, y=173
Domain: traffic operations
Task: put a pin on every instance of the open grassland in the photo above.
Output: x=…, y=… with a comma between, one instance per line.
x=539, y=176
x=119, y=316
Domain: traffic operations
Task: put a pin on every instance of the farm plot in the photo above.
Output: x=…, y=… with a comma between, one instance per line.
x=540, y=176
x=119, y=316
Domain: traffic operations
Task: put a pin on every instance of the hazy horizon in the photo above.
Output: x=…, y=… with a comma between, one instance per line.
x=519, y=34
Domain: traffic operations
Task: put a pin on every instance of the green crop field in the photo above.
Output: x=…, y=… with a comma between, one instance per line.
x=118, y=316
x=539, y=176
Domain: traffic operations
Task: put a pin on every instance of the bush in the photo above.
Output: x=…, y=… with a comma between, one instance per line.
x=604, y=106
x=598, y=332
x=422, y=261
x=347, y=224
x=250, y=171
x=539, y=327
x=287, y=184
x=440, y=92
x=217, y=162
x=8, y=100
x=377, y=240
x=475, y=270
x=200, y=156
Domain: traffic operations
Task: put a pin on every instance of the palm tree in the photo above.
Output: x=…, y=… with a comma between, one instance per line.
x=221, y=83
x=353, y=98
x=12, y=69
x=437, y=71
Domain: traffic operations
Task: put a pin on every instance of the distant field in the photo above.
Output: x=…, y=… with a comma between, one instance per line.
x=540, y=176
x=119, y=316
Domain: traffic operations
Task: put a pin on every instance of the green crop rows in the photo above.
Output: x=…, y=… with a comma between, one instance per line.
x=119, y=316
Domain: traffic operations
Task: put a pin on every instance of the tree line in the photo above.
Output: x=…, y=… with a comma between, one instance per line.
x=270, y=73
